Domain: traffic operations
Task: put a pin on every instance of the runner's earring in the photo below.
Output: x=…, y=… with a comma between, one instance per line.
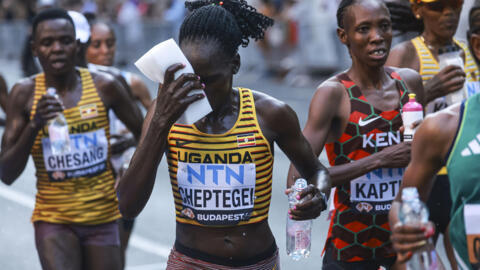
x=418, y=16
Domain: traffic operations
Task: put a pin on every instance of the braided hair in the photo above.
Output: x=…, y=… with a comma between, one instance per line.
x=342, y=9
x=231, y=22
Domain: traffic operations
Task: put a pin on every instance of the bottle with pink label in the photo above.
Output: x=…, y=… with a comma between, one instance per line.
x=411, y=113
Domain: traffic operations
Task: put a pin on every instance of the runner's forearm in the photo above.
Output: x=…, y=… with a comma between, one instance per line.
x=345, y=173
x=430, y=93
x=137, y=183
x=15, y=158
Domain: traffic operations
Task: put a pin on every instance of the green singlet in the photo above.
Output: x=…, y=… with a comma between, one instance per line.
x=463, y=166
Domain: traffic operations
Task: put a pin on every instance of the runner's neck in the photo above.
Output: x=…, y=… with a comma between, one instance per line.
x=368, y=78
x=434, y=42
x=62, y=83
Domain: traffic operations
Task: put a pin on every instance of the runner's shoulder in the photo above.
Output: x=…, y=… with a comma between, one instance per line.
x=23, y=89
x=403, y=48
x=408, y=75
x=268, y=104
x=272, y=110
x=330, y=89
x=403, y=55
x=104, y=80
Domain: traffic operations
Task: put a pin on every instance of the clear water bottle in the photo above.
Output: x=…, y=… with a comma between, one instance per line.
x=127, y=157
x=414, y=212
x=58, y=130
x=451, y=55
x=298, y=231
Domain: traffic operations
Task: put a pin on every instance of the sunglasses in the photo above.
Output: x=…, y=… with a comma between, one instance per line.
x=439, y=6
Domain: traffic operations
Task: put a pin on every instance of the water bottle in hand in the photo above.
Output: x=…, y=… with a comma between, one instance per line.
x=298, y=231
x=451, y=55
x=411, y=113
x=58, y=130
x=414, y=212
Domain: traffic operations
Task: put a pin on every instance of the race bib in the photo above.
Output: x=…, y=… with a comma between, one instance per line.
x=471, y=214
x=217, y=194
x=87, y=158
x=375, y=191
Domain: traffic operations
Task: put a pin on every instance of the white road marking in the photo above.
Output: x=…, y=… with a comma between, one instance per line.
x=17, y=197
x=136, y=241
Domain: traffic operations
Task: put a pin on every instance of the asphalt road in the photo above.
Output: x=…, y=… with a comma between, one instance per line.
x=154, y=230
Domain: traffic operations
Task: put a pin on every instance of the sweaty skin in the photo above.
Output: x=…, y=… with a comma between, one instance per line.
x=55, y=46
x=366, y=29
x=101, y=51
x=278, y=123
x=429, y=150
x=440, y=27
x=3, y=94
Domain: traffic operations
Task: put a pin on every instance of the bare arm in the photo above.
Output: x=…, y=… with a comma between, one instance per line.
x=3, y=94
x=404, y=55
x=140, y=91
x=116, y=97
x=430, y=146
x=327, y=118
x=20, y=132
x=136, y=184
x=414, y=83
x=282, y=121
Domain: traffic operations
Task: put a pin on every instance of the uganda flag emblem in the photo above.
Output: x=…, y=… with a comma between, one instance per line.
x=246, y=140
x=88, y=111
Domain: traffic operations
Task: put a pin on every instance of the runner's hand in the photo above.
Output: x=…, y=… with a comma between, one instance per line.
x=396, y=156
x=312, y=203
x=413, y=126
x=448, y=80
x=173, y=98
x=47, y=108
x=406, y=239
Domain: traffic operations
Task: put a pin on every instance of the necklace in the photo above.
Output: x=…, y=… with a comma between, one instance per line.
x=430, y=47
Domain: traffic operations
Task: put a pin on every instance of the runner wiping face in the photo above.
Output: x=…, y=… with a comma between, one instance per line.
x=367, y=32
x=102, y=46
x=55, y=46
x=440, y=17
x=215, y=68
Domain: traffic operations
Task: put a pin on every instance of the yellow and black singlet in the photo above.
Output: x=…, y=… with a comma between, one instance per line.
x=221, y=179
x=429, y=67
x=76, y=187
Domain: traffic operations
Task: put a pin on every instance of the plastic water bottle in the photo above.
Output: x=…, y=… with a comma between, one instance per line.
x=411, y=113
x=127, y=157
x=414, y=212
x=58, y=130
x=451, y=55
x=298, y=231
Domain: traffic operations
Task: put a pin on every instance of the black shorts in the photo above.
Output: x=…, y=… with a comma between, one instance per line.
x=330, y=263
x=440, y=203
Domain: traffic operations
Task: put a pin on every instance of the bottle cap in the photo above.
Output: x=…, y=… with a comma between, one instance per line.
x=300, y=184
x=412, y=95
x=51, y=91
x=409, y=193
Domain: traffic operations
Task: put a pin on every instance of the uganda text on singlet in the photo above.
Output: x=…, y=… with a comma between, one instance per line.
x=221, y=179
x=76, y=187
x=359, y=229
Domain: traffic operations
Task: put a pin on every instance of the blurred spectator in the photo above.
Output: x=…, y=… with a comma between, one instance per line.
x=280, y=39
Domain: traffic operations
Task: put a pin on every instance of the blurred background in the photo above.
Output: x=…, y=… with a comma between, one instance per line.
x=298, y=53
